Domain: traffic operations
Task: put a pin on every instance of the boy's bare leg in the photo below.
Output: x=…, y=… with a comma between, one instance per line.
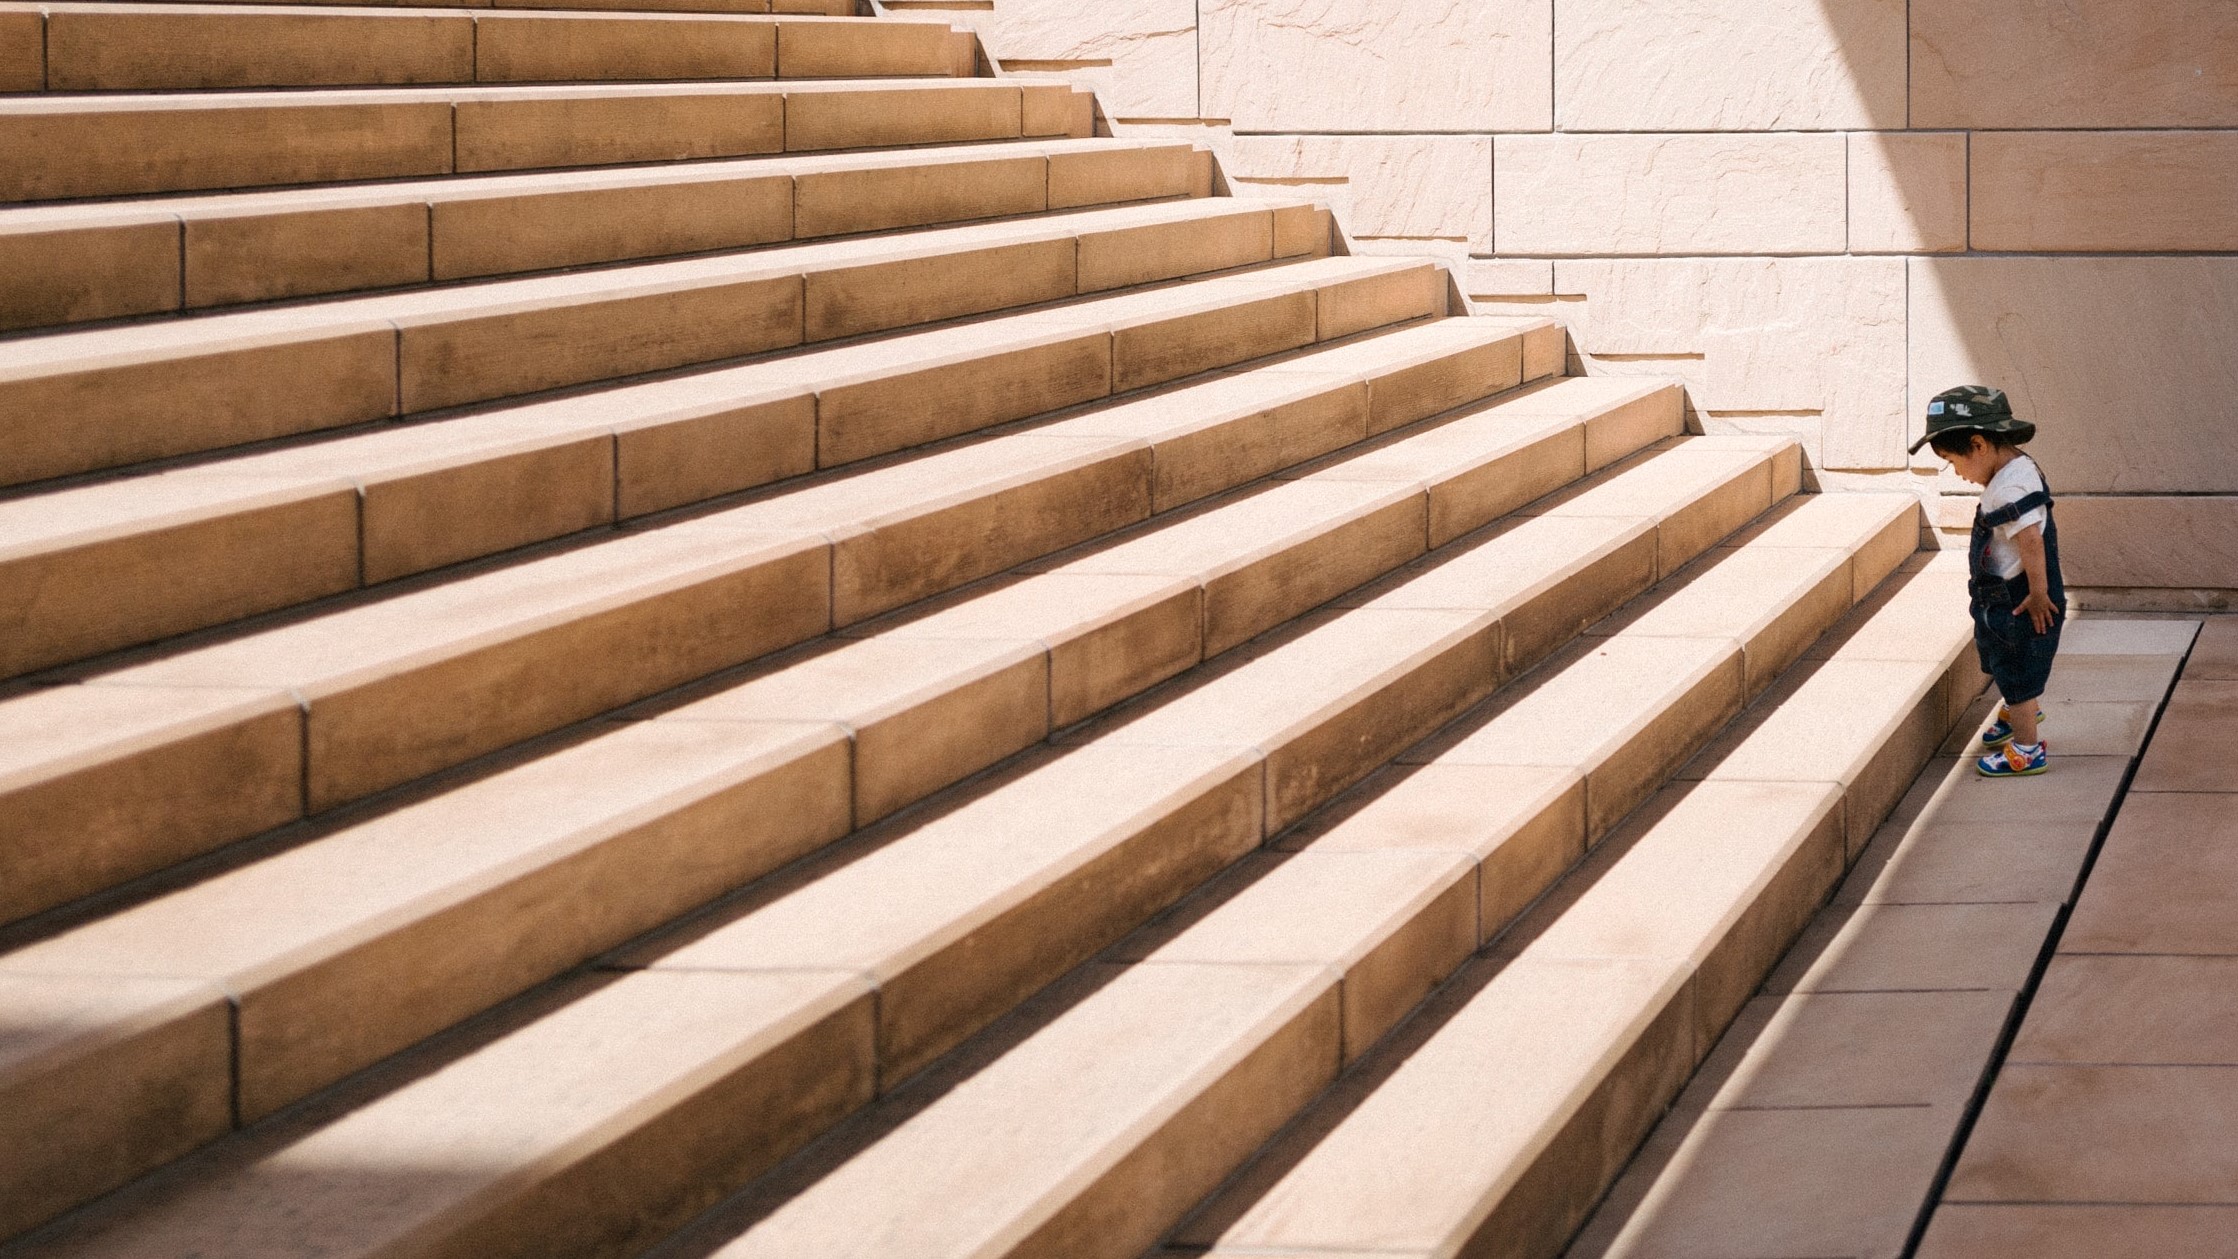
x=2023, y=720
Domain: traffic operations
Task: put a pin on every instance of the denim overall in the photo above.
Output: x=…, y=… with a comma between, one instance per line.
x=2011, y=650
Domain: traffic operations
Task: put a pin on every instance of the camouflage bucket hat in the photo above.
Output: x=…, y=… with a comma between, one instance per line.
x=1973, y=409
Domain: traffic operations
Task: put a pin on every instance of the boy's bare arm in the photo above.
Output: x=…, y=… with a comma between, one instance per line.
x=2037, y=607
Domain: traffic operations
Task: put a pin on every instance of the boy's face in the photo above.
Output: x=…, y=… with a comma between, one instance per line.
x=1977, y=464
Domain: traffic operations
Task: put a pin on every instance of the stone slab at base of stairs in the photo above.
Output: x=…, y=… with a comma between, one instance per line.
x=2107, y=1131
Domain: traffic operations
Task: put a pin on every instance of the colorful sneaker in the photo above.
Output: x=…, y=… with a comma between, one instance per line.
x=2000, y=732
x=2015, y=760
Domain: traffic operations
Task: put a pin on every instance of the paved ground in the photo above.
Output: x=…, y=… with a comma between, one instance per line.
x=2112, y=1129
x=1822, y=1121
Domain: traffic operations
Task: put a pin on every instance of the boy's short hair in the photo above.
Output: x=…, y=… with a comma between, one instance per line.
x=1959, y=441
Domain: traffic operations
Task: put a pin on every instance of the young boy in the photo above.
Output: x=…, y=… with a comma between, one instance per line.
x=2018, y=598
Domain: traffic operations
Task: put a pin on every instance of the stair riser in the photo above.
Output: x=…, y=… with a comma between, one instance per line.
x=149, y=1095
x=198, y=259
x=53, y=153
x=92, y=50
x=375, y=368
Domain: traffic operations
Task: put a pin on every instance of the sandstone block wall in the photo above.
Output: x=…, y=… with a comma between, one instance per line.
x=1815, y=212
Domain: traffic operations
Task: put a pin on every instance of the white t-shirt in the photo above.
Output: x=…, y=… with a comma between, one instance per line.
x=2013, y=482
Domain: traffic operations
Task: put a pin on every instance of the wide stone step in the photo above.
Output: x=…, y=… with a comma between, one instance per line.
x=214, y=743
x=131, y=145
x=200, y=47
x=896, y=946
x=353, y=947
x=72, y=263
x=819, y=8
x=203, y=545
x=82, y=401
x=1207, y=1031
x=1497, y=1124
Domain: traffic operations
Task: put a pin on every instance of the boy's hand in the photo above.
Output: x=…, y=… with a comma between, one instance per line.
x=2037, y=607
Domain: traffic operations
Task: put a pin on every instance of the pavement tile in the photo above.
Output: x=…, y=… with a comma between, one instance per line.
x=1761, y=1183
x=2133, y=1010
x=2104, y=1134
x=2032, y=1230
x=2190, y=751
x=2116, y=637
x=1916, y=948
x=2214, y=657
x=1841, y=1049
x=1936, y=863
x=2166, y=880
x=2111, y=677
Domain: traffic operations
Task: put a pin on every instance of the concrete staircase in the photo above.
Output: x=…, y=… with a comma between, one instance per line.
x=636, y=630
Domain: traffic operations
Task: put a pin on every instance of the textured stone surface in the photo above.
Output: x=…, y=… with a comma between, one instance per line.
x=1669, y=194
x=1718, y=65
x=1139, y=56
x=1778, y=339
x=1411, y=187
x=2074, y=63
x=2105, y=191
x=1511, y=277
x=1377, y=65
x=1907, y=192
x=2123, y=363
